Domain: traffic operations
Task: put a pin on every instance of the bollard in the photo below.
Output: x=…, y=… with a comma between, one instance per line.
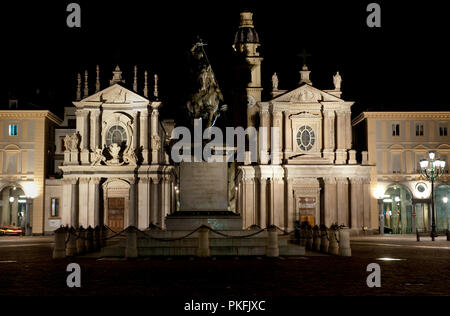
x=59, y=251
x=324, y=243
x=417, y=235
x=309, y=238
x=272, y=249
x=89, y=242
x=71, y=248
x=104, y=235
x=316, y=238
x=333, y=247
x=97, y=237
x=344, y=242
x=203, y=250
x=81, y=249
x=131, y=250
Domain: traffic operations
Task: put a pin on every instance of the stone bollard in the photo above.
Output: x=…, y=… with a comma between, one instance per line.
x=131, y=250
x=104, y=235
x=316, y=238
x=333, y=247
x=309, y=238
x=71, y=248
x=89, y=242
x=81, y=249
x=59, y=251
x=97, y=238
x=344, y=242
x=324, y=243
x=203, y=250
x=272, y=249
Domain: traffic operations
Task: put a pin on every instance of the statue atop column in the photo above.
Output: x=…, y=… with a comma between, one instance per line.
x=207, y=100
x=337, y=80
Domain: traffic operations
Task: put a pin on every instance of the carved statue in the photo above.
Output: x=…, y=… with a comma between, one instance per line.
x=337, y=80
x=74, y=140
x=114, y=151
x=130, y=157
x=274, y=82
x=156, y=142
x=98, y=157
x=207, y=101
x=67, y=143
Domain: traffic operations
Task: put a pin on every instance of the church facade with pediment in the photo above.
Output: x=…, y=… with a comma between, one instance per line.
x=115, y=169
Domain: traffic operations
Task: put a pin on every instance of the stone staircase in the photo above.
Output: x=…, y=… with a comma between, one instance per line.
x=219, y=245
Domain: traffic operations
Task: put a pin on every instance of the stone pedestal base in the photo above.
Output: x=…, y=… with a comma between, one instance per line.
x=341, y=157
x=190, y=220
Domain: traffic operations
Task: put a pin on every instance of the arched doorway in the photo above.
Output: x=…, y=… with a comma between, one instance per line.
x=13, y=206
x=397, y=209
x=441, y=202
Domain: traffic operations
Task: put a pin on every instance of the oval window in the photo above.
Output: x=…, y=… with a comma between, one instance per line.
x=305, y=138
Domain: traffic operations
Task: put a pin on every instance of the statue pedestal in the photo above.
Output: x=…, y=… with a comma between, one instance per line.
x=204, y=198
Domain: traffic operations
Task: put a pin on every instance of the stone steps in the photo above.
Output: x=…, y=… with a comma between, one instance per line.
x=219, y=245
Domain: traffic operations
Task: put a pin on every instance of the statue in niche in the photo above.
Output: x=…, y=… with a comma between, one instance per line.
x=337, y=80
x=207, y=100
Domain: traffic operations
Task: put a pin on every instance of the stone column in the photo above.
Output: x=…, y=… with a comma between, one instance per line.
x=330, y=201
x=166, y=199
x=289, y=200
x=156, y=141
x=264, y=139
x=354, y=191
x=329, y=135
x=74, y=203
x=95, y=130
x=83, y=196
x=144, y=135
x=341, y=153
x=155, y=209
x=287, y=135
x=144, y=202
x=366, y=208
x=342, y=197
x=348, y=130
x=83, y=129
x=276, y=138
x=96, y=198
x=132, y=211
x=262, y=218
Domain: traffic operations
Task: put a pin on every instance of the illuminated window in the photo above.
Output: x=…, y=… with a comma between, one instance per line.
x=419, y=129
x=54, y=207
x=12, y=129
x=395, y=129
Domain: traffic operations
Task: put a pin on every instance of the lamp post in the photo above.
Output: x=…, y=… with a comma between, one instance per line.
x=432, y=168
x=11, y=201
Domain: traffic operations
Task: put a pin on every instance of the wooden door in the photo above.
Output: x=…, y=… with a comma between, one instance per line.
x=116, y=212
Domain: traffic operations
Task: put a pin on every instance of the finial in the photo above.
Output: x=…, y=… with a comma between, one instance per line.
x=135, y=79
x=79, y=87
x=117, y=76
x=155, y=92
x=304, y=75
x=145, y=85
x=86, y=86
x=97, y=81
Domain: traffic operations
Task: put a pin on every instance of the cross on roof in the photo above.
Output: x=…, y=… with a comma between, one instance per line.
x=303, y=56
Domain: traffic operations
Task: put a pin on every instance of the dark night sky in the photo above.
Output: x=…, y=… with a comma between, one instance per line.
x=402, y=66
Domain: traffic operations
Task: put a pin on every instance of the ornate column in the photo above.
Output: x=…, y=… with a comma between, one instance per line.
x=330, y=201
x=95, y=130
x=264, y=137
x=348, y=130
x=342, y=198
x=132, y=211
x=357, y=203
x=276, y=138
x=287, y=135
x=367, y=216
x=156, y=140
x=144, y=135
x=341, y=153
x=143, y=219
x=83, y=130
x=83, y=196
x=329, y=135
x=74, y=203
x=262, y=218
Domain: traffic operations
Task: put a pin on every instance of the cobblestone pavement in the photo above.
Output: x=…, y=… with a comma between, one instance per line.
x=26, y=268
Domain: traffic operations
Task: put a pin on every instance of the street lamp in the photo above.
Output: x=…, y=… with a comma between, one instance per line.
x=11, y=201
x=432, y=168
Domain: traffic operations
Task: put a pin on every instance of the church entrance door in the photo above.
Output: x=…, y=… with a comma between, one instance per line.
x=116, y=211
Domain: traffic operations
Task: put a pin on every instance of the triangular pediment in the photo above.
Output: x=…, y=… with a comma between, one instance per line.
x=307, y=94
x=115, y=94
